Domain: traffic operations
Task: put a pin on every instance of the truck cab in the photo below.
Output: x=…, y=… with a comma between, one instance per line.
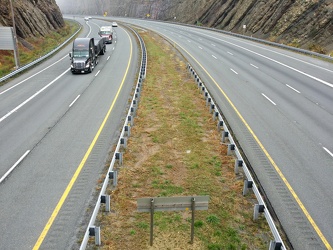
x=107, y=32
x=83, y=56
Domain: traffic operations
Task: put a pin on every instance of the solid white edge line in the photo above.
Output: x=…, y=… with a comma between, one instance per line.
x=329, y=152
x=70, y=105
x=293, y=88
x=268, y=99
x=14, y=166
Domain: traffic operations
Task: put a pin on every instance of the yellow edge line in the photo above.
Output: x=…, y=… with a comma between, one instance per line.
x=308, y=216
x=78, y=170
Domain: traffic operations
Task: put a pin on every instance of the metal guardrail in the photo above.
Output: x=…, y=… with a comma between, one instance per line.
x=20, y=69
x=249, y=183
x=92, y=230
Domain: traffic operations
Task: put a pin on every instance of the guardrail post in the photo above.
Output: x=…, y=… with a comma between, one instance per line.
x=219, y=125
x=127, y=130
x=225, y=134
x=247, y=184
x=215, y=115
x=133, y=109
x=119, y=157
x=130, y=120
x=95, y=231
x=212, y=108
x=238, y=163
x=273, y=245
x=105, y=199
x=258, y=209
x=208, y=99
x=231, y=148
x=123, y=142
x=113, y=175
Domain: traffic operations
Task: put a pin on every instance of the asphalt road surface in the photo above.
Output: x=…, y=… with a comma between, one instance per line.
x=56, y=130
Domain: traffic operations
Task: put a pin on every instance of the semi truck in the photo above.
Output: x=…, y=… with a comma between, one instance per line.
x=85, y=52
x=107, y=32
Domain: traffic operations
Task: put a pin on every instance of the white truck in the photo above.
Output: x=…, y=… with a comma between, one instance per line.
x=107, y=32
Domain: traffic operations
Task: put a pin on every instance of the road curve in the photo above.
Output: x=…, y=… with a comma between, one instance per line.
x=280, y=107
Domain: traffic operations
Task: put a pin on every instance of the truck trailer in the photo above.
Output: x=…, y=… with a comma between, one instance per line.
x=84, y=56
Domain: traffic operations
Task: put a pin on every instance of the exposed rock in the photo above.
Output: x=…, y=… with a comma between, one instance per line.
x=298, y=22
x=32, y=17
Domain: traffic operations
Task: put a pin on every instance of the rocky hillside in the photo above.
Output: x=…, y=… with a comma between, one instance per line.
x=32, y=17
x=301, y=23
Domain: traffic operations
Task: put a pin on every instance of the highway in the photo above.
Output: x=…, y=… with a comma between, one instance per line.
x=280, y=107
x=56, y=130
x=54, y=142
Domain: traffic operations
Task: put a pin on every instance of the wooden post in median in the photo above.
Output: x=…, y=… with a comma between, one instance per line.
x=192, y=222
x=151, y=221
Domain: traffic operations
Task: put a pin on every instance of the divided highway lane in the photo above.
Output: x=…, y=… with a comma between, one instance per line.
x=20, y=93
x=69, y=129
x=280, y=107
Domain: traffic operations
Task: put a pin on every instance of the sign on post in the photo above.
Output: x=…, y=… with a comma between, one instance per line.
x=8, y=42
x=172, y=204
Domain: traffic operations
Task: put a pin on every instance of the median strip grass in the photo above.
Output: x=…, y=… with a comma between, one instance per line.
x=175, y=149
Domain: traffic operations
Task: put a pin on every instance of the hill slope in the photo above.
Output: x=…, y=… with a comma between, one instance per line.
x=301, y=23
x=32, y=17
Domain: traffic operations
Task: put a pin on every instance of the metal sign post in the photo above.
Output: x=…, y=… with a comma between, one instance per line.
x=172, y=204
x=16, y=55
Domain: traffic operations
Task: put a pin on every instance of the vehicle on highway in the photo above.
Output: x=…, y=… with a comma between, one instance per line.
x=107, y=32
x=86, y=18
x=84, y=56
x=114, y=24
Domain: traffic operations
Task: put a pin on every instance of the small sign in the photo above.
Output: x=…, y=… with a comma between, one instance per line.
x=7, y=41
x=172, y=204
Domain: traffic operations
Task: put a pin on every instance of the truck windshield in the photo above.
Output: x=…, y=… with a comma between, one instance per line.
x=80, y=53
x=105, y=32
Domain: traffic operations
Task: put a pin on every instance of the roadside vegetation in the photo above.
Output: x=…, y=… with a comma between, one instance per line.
x=175, y=149
x=33, y=48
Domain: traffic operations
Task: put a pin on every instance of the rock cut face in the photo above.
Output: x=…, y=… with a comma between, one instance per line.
x=32, y=17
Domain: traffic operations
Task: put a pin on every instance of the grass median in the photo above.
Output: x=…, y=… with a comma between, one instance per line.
x=175, y=149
